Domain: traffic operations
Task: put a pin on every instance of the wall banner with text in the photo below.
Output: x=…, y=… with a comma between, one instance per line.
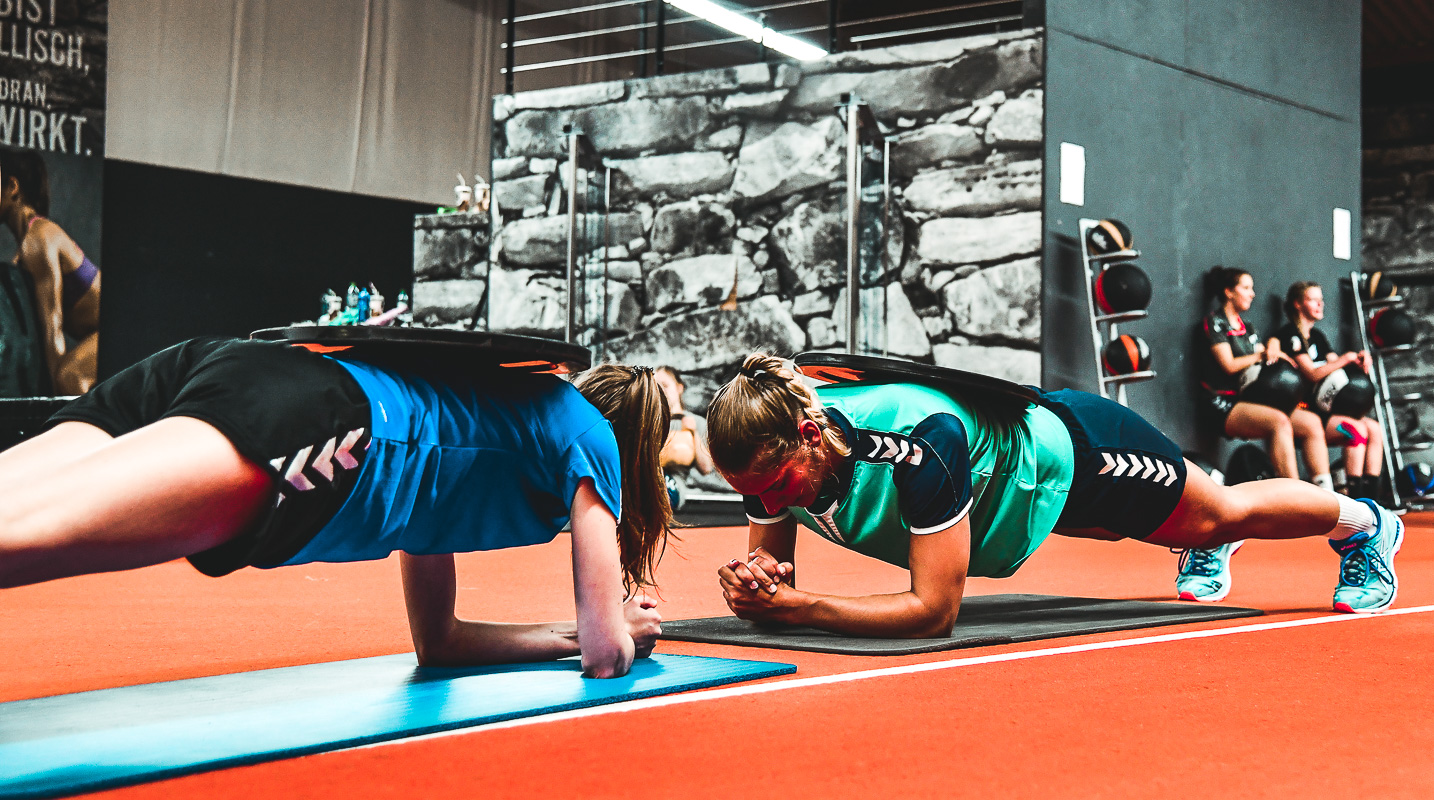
x=53, y=57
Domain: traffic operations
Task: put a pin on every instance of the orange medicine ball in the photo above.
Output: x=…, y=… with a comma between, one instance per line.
x=1108, y=236
x=1376, y=286
x=1126, y=354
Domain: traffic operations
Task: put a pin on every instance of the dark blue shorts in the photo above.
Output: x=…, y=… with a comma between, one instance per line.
x=1128, y=475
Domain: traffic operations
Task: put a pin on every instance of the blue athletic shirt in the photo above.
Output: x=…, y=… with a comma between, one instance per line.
x=454, y=468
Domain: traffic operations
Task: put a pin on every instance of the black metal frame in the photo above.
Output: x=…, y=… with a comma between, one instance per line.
x=1032, y=13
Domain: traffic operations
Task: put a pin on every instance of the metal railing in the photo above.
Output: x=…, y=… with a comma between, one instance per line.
x=655, y=18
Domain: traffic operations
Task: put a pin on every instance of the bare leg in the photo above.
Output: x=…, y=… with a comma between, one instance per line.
x=168, y=490
x=54, y=449
x=1251, y=421
x=1354, y=454
x=1309, y=430
x=1210, y=515
x=1374, y=451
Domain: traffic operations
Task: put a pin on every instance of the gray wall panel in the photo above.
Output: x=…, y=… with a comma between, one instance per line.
x=1204, y=174
x=1302, y=52
x=1305, y=52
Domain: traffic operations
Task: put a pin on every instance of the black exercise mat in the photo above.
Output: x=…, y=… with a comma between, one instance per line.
x=984, y=620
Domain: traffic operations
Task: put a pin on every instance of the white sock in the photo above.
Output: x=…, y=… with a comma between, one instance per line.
x=1354, y=517
x=1324, y=482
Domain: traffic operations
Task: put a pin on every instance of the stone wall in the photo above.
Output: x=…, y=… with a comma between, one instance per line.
x=736, y=178
x=450, y=268
x=1399, y=239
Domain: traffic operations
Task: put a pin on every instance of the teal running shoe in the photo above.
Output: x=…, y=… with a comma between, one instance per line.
x=1204, y=575
x=1367, y=583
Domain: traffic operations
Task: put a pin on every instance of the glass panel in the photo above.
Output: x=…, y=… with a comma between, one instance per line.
x=590, y=323
x=871, y=231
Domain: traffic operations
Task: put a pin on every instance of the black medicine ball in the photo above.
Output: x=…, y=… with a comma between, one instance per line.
x=1122, y=287
x=1417, y=479
x=1391, y=327
x=1248, y=463
x=1126, y=354
x=1377, y=287
x=1347, y=391
x=1278, y=385
x=1108, y=236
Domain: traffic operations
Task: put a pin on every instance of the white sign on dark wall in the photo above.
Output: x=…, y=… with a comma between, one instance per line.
x=53, y=56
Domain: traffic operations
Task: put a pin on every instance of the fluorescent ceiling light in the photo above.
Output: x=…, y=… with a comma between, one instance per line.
x=750, y=28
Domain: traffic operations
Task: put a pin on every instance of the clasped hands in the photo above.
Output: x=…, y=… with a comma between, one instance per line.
x=760, y=589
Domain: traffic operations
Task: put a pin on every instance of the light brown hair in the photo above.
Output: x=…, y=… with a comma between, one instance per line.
x=1295, y=296
x=752, y=421
x=631, y=400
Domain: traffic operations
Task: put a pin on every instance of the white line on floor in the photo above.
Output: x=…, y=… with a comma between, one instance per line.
x=930, y=666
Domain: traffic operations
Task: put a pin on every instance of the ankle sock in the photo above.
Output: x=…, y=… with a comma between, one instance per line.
x=1324, y=482
x=1370, y=487
x=1354, y=517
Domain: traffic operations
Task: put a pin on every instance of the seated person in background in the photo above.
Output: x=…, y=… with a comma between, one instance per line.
x=950, y=485
x=686, y=446
x=1235, y=346
x=1300, y=340
x=67, y=283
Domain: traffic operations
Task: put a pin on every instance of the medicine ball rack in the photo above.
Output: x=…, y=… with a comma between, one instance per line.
x=1384, y=400
x=1092, y=263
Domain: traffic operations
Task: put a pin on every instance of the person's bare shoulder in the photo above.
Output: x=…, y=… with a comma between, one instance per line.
x=47, y=239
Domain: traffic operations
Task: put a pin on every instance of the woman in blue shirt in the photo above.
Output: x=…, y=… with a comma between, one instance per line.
x=236, y=453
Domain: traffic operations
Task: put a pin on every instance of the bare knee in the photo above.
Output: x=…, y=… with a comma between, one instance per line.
x=1282, y=429
x=1373, y=433
x=1304, y=429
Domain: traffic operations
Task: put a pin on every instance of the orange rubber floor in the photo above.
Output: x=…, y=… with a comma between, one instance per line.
x=1332, y=709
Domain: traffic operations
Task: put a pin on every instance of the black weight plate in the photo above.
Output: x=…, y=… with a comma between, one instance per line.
x=439, y=350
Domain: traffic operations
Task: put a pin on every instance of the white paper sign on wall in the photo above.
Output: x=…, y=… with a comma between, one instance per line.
x=1341, y=233
x=1072, y=174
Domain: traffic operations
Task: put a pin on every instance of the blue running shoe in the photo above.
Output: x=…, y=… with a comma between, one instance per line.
x=1204, y=575
x=1367, y=582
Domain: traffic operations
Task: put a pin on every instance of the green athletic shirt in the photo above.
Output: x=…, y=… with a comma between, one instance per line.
x=922, y=461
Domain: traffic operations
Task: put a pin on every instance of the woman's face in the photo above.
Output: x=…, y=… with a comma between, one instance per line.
x=1243, y=295
x=671, y=389
x=1311, y=306
x=794, y=482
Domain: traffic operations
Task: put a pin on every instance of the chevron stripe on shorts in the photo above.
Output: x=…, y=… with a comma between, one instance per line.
x=1141, y=466
x=318, y=464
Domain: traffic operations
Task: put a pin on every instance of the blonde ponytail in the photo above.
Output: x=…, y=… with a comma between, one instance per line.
x=752, y=421
x=631, y=399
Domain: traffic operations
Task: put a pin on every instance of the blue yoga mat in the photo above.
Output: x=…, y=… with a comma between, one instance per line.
x=54, y=746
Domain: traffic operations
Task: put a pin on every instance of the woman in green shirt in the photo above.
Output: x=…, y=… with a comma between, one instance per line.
x=947, y=488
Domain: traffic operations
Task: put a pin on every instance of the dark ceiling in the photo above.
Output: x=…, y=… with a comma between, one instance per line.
x=1398, y=32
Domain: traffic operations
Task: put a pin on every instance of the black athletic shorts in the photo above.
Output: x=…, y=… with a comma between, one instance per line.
x=1216, y=408
x=297, y=414
x=1128, y=476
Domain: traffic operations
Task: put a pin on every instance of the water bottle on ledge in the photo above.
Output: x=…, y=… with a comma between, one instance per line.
x=333, y=306
x=405, y=313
